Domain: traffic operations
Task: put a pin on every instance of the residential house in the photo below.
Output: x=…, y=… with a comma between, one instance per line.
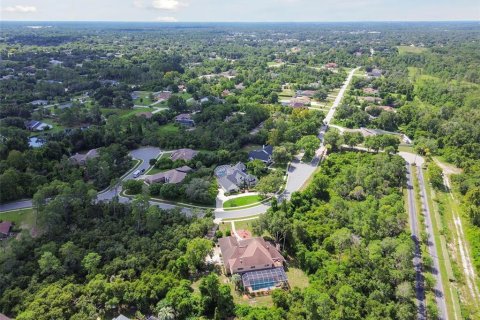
x=81, y=159
x=331, y=65
x=306, y=93
x=258, y=262
x=34, y=125
x=240, y=86
x=55, y=62
x=370, y=91
x=185, y=119
x=234, y=178
x=5, y=228
x=183, y=154
x=226, y=93
x=375, y=73
x=182, y=88
x=108, y=82
x=121, y=317
x=39, y=102
x=264, y=154
x=162, y=95
x=175, y=176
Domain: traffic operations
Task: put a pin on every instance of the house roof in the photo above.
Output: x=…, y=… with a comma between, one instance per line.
x=263, y=154
x=233, y=177
x=5, y=228
x=121, y=317
x=4, y=317
x=246, y=253
x=171, y=176
x=184, y=116
x=183, y=154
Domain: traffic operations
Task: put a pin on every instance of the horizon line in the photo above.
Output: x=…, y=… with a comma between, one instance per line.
x=177, y=22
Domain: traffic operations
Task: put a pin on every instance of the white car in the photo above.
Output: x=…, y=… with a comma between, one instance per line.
x=137, y=173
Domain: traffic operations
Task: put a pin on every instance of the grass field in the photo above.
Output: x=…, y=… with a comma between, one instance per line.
x=242, y=201
x=251, y=147
x=448, y=279
x=143, y=99
x=408, y=49
x=21, y=218
x=168, y=128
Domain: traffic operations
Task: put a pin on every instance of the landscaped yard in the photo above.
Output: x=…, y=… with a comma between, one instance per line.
x=251, y=147
x=143, y=99
x=169, y=128
x=21, y=218
x=242, y=201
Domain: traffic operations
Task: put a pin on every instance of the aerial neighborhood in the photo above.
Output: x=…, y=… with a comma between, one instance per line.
x=169, y=170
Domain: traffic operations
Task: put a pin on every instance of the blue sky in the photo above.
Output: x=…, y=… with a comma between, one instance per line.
x=239, y=10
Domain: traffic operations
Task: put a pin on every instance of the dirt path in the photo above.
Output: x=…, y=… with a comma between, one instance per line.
x=468, y=269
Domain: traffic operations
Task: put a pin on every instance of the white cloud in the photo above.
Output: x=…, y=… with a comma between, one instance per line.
x=20, y=9
x=167, y=4
x=167, y=19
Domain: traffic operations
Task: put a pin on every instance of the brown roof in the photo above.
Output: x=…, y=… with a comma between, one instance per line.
x=370, y=90
x=183, y=154
x=5, y=228
x=82, y=158
x=171, y=176
x=249, y=254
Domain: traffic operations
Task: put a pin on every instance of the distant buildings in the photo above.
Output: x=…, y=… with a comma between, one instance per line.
x=264, y=154
x=176, y=175
x=162, y=95
x=331, y=65
x=39, y=103
x=370, y=91
x=185, y=119
x=375, y=73
x=34, y=125
x=81, y=159
x=234, y=178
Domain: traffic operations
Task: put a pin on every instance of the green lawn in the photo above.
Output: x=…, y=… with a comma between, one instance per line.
x=123, y=113
x=22, y=218
x=446, y=272
x=297, y=278
x=143, y=99
x=408, y=49
x=169, y=128
x=251, y=147
x=242, y=201
x=56, y=128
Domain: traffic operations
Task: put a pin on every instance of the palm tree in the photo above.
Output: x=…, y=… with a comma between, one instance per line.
x=166, y=313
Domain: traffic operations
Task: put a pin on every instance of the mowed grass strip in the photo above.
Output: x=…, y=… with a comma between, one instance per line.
x=242, y=201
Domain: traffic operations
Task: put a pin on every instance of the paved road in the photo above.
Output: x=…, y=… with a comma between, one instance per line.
x=432, y=249
x=17, y=205
x=144, y=155
x=417, y=259
x=298, y=171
